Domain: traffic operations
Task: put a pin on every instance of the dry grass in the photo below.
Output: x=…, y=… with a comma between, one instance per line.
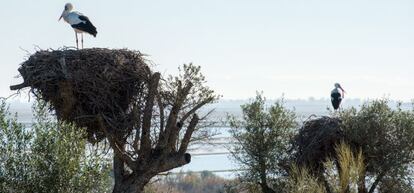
x=341, y=178
x=301, y=181
x=351, y=169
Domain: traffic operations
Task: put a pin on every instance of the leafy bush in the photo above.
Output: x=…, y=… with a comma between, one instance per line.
x=262, y=142
x=386, y=136
x=50, y=156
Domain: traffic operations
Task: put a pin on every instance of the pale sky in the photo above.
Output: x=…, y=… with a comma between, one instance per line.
x=298, y=48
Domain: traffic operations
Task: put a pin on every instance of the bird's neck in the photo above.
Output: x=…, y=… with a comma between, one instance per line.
x=65, y=13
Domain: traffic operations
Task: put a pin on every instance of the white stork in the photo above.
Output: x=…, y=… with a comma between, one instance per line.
x=79, y=22
x=337, y=96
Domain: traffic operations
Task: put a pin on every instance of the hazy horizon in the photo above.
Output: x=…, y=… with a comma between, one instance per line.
x=294, y=48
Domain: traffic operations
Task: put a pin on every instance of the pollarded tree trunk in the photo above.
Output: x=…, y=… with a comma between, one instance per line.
x=131, y=184
x=163, y=124
x=134, y=181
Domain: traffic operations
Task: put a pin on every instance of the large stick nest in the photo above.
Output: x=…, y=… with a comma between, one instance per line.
x=84, y=85
x=316, y=142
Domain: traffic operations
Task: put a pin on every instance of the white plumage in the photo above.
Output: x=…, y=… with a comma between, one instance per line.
x=73, y=18
x=79, y=22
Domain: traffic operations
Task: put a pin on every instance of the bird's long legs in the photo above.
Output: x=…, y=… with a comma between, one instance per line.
x=82, y=39
x=76, y=35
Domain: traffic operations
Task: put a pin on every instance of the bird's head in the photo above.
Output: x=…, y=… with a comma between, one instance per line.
x=337, y=85
x=68, y=7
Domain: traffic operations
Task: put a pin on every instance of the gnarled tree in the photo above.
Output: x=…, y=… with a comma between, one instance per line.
x=163, y=129
x=148, y=120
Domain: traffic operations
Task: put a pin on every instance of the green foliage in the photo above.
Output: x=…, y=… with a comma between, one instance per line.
x=395, y=185
x=199, y=92
x=14, y=153
x=386, y=136
x=50, y=156
x=263, y=135
x=192, y=83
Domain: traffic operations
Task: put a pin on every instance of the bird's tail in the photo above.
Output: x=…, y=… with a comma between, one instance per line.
x=94, y=32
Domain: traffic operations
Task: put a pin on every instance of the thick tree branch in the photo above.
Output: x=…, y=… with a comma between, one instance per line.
x=187, y=136
x=161, y=109
x=170, y=128
x=175, y=129
x=163, y=138
x=174, y=160
x=145, y=147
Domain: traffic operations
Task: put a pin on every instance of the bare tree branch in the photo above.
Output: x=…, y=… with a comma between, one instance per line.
x=146, y=122
x=170, y=128
x=161, y=109
x=194, y=109
x=174, y=160
x=188, y=133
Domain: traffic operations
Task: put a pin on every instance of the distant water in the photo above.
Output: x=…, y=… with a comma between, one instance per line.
x=213, y=157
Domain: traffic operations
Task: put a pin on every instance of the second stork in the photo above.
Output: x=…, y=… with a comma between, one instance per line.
x=337, y=94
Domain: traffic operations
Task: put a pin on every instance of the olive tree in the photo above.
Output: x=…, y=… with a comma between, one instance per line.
x=166, y=122
x=262, y=141
x=50, y=156
x=386, y=136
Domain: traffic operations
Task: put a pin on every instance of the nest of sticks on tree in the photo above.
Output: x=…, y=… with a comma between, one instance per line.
x=316, y=142
x=88, y=85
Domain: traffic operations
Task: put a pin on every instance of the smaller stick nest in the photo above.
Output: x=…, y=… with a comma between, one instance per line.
x=316, y=142
x=83, y=85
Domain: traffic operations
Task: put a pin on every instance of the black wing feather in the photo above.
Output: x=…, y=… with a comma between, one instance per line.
x=336, y=99
x=86, y=26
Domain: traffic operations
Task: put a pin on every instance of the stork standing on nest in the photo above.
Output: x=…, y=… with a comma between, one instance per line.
x=337, y=94
x=79, y=22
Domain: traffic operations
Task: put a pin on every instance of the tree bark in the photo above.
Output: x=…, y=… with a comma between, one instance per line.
x=129, y=181
x=263, y=177
x=118, y=169
x=131, y=184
